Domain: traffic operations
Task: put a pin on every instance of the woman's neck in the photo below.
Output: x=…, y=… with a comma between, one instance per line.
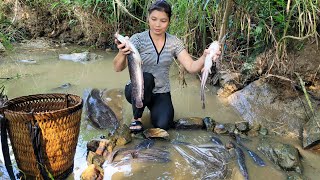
x=156, y=37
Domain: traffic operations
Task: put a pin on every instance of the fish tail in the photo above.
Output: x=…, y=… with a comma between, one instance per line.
x=203, y=83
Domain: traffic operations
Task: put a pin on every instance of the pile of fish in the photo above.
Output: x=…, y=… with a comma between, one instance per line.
x=143, y=152
x=211, y=159
x=240, y=155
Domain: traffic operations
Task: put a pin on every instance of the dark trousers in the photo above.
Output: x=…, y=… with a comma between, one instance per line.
x=159, y=104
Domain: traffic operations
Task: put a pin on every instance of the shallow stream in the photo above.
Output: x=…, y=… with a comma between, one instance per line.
x=49, y=72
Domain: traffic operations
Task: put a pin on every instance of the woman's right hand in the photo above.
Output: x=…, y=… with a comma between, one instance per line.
x=125, y=50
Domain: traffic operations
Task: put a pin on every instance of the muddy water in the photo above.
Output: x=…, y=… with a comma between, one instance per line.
x=48, y=73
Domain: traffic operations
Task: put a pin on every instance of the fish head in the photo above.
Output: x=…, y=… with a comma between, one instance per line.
x=214, y=46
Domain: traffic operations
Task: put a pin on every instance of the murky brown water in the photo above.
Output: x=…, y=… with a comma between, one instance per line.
x=49, y=73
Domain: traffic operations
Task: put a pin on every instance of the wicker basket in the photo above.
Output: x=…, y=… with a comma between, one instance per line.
x=58, y=116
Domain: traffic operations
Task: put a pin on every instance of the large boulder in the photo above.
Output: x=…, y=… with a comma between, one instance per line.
x=261, y=103
x=311, y=133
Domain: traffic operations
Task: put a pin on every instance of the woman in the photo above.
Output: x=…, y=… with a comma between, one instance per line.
x=157, y=49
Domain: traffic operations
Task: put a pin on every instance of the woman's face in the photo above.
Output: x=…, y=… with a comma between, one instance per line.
x=158, y=22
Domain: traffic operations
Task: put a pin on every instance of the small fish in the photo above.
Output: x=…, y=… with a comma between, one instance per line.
x=145, y=144
x=241, y=161
x=135, y=71
x=190, y=159
x=214, y=48
x=216, y=140
x=255, y=157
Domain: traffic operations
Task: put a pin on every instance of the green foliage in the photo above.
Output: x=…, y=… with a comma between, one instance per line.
x=195, y=21
x=4, y=35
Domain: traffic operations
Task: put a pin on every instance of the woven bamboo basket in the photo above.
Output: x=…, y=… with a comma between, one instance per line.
x=58, y=116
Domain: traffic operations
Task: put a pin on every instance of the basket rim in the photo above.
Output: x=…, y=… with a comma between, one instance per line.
x=17, y=100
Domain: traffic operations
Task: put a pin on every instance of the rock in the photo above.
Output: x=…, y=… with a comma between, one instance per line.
x=93, y=145
x=220, y=129
x=242, y=126
x=311, y=133
x=226, y=77
x=91, y=173
x=253, y=133
x=263, y=131
x=229, y=83
x=295, y=176
x=75, y=57
x=189, y=123
x=285, y=156
x=254, y=130
x=95, y=159
x=122, y=135
x=2, y=48
x=228, y=89
x=259, y=103
x=156, y=133
x=230, y=127
x=209, y=123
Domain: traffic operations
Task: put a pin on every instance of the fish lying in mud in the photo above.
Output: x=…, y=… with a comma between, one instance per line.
x=209, y=160
x=241, y=161
x=145, y=144
x=255, y=157
x=214, y=48
x=100, y=114
x=143, y=152
x=135, y=71
x=189, y=158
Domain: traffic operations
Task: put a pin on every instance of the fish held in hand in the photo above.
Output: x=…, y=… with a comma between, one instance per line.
x=135, y=71
x=213, y=55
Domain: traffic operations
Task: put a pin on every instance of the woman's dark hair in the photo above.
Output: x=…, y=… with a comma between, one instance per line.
x=161, y=5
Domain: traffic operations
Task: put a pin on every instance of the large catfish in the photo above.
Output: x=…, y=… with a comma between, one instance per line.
x=135, y=71
x=99, y=113
x=214, y=48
